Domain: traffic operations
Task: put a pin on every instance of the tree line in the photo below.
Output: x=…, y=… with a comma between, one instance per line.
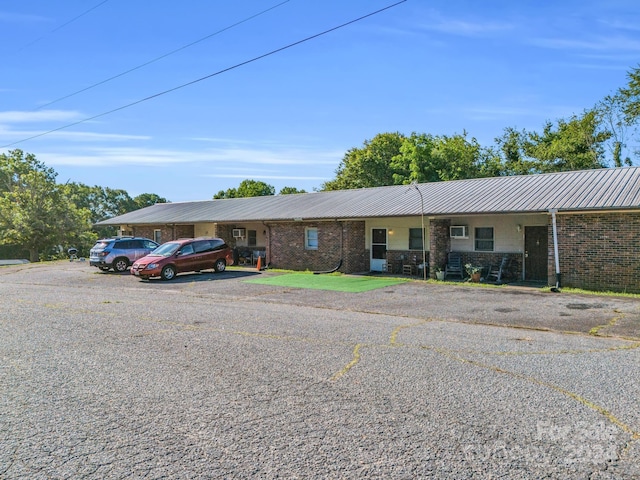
x=38, y=215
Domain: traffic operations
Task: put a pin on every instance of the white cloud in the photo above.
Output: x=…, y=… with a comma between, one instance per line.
x=274, y=156
x=267, y=177
x=457, y=26
x=597, y=44
x=115, y=157
x=17, y=116
x=223, y=159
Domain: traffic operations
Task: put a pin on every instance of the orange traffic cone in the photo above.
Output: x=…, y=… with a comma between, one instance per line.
x=259, y=264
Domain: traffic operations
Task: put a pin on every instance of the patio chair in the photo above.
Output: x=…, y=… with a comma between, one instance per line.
x=497, y=272
x=454, y=265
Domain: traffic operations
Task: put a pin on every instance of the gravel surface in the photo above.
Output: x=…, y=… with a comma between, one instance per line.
x=106, y=376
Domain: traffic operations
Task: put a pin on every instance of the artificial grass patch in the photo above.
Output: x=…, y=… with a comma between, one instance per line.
x=338, y=283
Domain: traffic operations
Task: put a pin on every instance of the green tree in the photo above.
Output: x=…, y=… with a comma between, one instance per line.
x=35, y=213
x=394, y=159
x=575, y=144
x=458, y=157
x=16, y=163
x=370, y=166
x=612, y=112
x=148, y=199
x=631, y=97
x=290, y=191
x=247, y=188
x=514, y=159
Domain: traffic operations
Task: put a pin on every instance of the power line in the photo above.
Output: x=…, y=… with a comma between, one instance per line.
x=161, y=56
x=63, y=25
x=219, y=72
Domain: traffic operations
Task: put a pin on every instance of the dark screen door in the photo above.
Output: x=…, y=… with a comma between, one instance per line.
x=536, y=253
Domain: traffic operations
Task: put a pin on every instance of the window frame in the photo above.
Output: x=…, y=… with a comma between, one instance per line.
x=484, y=240
x=252, y=238
x=311, y=234
x=419, y=239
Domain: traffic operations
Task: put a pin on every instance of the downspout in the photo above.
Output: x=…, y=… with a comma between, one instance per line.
x=553, y=212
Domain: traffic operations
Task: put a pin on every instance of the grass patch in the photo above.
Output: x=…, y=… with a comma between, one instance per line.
x=338, y=283
x=595, y=292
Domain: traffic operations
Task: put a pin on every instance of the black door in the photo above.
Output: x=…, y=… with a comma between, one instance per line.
x=536, y=254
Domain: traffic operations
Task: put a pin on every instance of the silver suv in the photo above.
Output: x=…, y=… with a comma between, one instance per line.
x=119, y=252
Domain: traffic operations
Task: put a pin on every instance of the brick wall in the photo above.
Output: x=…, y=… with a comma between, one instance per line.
x=598, y=251
x=167, y=232
x=336, y=241
x=354, y=250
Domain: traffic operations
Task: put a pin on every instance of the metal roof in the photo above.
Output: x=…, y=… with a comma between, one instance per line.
x=600, y=189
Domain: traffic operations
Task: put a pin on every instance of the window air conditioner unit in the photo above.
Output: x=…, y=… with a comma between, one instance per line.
x=238, y=233
x=458, y=231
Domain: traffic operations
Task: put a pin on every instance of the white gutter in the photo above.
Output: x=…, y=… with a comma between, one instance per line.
x=553, y=212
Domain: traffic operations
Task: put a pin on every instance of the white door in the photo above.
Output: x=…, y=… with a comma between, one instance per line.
x=378, y=249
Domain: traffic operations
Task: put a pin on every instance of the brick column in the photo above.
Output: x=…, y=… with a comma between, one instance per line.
x=439, y=244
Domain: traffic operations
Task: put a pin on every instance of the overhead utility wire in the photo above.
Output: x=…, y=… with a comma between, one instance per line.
x=63, y=25
x=161, y=56
x=254, y=59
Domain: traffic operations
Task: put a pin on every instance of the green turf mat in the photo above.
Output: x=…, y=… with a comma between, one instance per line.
x=339, y=283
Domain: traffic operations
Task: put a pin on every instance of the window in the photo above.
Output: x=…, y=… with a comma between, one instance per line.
x=186, y=250
x=157, y=236
x=202, y=246
x=218, y=244
x=484, y=239
x=124, y=245
x=311, y=238
x=251, y=238
x=415, y=239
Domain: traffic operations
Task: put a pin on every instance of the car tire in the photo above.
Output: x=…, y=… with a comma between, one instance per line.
x=220, y=265
x=168, y=272
x=121, y=264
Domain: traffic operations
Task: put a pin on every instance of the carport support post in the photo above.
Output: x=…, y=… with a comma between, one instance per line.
x=553, y=212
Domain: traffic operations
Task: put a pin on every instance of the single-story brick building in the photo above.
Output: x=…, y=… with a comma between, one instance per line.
x=582, y=227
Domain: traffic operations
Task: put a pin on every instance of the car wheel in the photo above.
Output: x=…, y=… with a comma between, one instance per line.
x=120, y=264
x=168, y=272
x=104, y=269
x=220, y=265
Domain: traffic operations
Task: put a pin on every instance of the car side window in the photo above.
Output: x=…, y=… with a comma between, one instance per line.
x=218, y=245
x=202, y=246
x=149, y=244
x=123, y=245
x=186, y=250
x=136, y=244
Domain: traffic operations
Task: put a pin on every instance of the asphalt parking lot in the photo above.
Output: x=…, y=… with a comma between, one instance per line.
x=207, y=376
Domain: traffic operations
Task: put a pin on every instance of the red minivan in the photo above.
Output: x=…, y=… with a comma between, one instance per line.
x=184, y=255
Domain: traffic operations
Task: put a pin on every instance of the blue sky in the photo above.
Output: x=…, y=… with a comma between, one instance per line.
x=438, y=67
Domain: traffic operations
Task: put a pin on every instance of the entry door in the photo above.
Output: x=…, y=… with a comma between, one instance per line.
x=536, y=254
x=378, y=249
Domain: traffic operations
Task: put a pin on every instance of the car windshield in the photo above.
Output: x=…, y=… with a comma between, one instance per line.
x=165, y=250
